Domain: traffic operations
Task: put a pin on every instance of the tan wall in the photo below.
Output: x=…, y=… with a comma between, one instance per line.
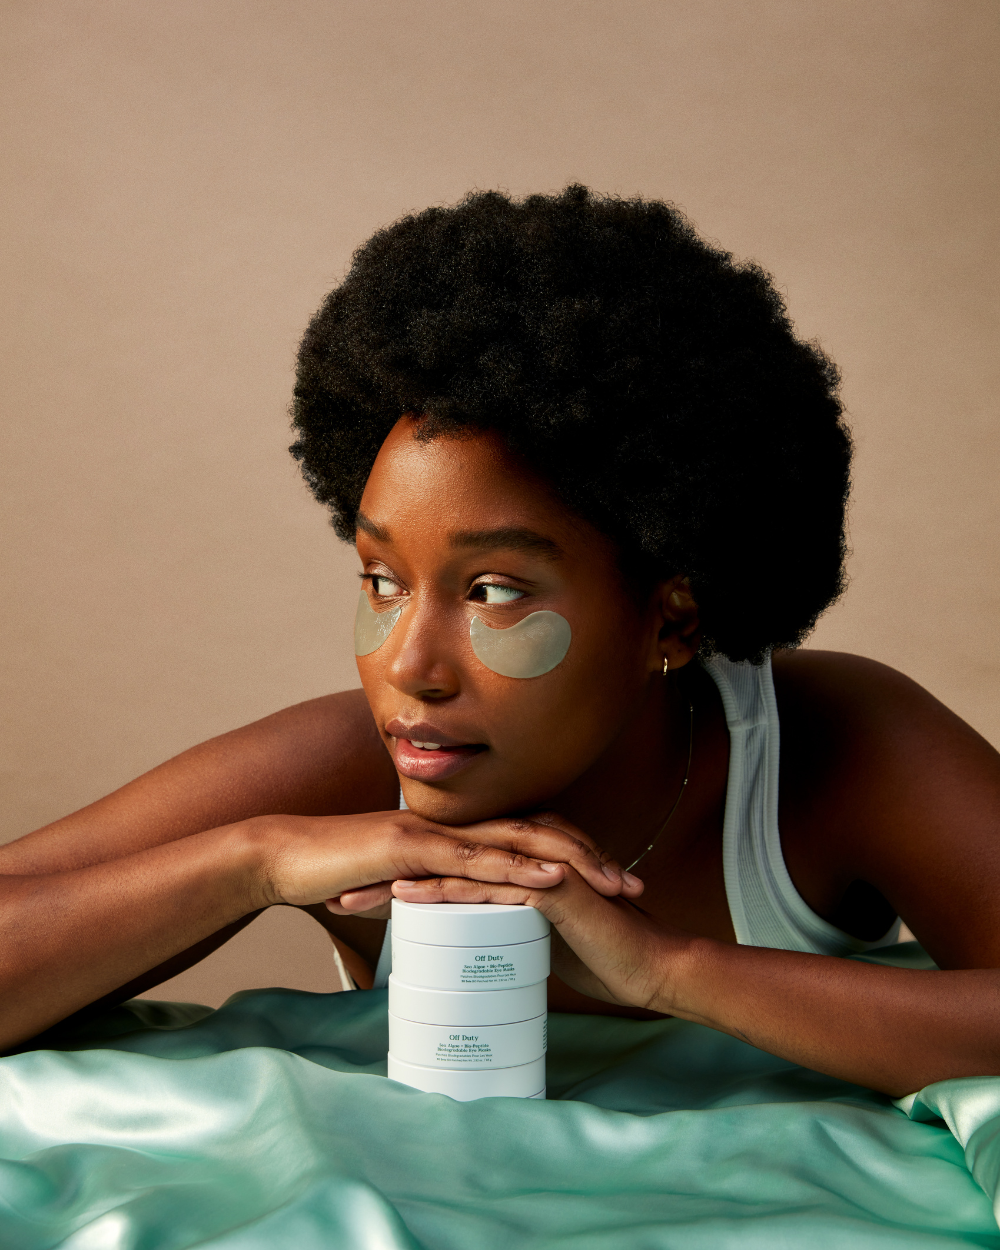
x=184, y=181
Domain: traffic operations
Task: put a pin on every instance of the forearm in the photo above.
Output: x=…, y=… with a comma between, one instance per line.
x=891, y=1029
x=68, y=939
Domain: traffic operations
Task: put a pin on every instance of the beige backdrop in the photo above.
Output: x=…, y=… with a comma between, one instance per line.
x=185, y=180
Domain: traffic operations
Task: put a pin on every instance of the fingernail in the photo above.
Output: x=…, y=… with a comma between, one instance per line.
x=404, y=881
x=612, y=874
x=549, y=867
x=630, y=880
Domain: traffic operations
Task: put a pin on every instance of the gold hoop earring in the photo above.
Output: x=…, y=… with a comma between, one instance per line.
x=666, y=665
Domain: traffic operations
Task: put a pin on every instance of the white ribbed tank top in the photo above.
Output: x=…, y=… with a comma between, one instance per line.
x=765, y=907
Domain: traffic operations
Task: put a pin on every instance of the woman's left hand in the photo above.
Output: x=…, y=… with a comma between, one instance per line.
x=610, y=948
x=893, y=1029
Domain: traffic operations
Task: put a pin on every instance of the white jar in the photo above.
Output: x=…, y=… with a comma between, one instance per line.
x=470, y=968
x=467, y=924
x=426, y=1006
x=462, y=1046
x=467, y=999
x=525, y=1081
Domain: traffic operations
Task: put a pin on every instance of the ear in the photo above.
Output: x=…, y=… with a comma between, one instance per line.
x=678, y=626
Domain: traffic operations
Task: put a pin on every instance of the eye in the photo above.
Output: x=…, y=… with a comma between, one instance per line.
x=384, y=586
x=496, y=594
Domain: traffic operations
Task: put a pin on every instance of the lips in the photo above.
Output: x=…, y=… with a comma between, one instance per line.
x=420, y=763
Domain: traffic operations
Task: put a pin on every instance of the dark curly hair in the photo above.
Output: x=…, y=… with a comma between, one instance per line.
x=652, y=378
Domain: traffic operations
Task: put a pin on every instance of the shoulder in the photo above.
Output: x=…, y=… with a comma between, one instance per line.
x=883, y=783
x=322, y=757
x=850, y=720
x=831, y=700
x=837, y=679
x=333, y=722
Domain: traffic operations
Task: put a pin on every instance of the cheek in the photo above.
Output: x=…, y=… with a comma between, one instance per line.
x=371, y=669
x=544, y=731
x=562, y=721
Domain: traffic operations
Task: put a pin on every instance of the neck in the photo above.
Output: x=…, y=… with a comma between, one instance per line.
x=623, y=798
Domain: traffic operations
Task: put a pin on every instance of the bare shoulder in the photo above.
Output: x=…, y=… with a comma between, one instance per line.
x=840, y=679
x=321, y=757
x=853, y=720
x=317, y=758
x=834, y=700
x=886, y=784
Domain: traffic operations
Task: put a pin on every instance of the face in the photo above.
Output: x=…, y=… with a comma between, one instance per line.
x=456, y=529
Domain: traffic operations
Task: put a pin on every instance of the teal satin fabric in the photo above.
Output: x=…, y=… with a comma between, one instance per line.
x=270, y=1123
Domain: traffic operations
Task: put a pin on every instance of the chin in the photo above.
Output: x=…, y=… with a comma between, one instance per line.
x=450, y=807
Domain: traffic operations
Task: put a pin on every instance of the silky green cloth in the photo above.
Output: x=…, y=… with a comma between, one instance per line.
x=270, y=1123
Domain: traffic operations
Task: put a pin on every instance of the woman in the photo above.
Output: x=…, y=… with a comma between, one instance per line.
x=575, y=411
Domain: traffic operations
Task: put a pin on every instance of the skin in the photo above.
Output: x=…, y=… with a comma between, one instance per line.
x=888, y=804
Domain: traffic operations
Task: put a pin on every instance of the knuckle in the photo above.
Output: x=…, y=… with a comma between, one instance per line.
x=578, y=848
x=551, y=820
x=469, y=852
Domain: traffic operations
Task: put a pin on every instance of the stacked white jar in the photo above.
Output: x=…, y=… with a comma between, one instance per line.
x=467, y=999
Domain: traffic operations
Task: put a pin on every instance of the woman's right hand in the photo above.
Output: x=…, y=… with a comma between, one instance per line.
x=350, y=862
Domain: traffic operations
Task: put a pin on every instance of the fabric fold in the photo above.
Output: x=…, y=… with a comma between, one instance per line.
x=270, y=1122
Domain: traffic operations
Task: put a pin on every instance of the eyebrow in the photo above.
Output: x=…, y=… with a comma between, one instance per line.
x=505, y=538
x=368, y=526
x=508, y=539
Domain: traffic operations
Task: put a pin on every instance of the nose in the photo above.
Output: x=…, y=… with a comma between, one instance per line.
x=425, y=661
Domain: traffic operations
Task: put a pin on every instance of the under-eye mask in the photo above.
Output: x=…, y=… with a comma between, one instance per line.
x=528, y=649
x=372, y=628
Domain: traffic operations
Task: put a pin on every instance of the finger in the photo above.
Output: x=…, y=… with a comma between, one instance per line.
x=374, y=913
x=631, y=886
x=353, y=901
x=462, y=890
x=438, y=854
x=556, y=843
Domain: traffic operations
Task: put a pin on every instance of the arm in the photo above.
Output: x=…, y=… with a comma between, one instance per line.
x=70, y=938
x=136, y=887
x=892, y=1029
x=313, y=759
x=319, y=757
x=885, y=787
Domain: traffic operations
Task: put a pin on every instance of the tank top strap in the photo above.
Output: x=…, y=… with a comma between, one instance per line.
x=765, y=907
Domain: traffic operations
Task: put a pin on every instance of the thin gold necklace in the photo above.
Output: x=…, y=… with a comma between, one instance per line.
x=680, y=793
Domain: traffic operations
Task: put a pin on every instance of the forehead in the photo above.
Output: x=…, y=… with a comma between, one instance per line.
x=465, y=483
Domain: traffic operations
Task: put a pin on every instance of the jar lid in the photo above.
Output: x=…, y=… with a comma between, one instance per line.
x=411, y=1002
x=467, y=924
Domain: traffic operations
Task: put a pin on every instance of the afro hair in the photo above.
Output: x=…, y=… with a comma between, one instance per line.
x=652, y=378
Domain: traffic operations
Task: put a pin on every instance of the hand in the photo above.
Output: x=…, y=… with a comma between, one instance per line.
x=609, y=949
x=350, y=862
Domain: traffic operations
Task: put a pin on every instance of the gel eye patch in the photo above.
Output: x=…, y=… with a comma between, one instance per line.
x=528, y=649
x=372, y=628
